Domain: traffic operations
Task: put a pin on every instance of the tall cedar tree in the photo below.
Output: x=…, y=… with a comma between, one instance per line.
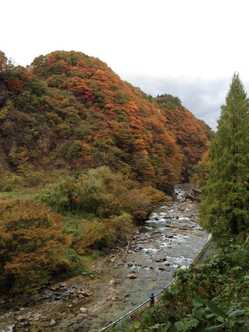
x=225, y=203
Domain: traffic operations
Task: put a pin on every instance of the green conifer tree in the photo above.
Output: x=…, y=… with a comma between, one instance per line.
x=224, y=210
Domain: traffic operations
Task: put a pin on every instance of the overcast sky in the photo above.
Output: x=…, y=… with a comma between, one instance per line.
x=189, y=48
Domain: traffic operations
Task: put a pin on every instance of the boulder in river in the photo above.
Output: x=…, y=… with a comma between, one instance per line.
x=160, y=260
x=52, y=322
x=161, y=268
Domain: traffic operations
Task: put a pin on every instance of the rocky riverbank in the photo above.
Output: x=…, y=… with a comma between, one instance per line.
x=171, y=238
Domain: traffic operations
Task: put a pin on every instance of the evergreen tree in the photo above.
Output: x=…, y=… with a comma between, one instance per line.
x=224, y=209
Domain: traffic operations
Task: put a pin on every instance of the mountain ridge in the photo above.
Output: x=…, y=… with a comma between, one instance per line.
x=69, y=110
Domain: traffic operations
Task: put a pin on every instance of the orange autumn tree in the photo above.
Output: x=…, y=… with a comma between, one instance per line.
x=33, y=248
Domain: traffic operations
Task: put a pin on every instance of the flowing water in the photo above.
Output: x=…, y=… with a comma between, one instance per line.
x=171, y=238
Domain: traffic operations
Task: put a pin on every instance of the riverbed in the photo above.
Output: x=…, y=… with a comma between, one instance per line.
x=170, y=239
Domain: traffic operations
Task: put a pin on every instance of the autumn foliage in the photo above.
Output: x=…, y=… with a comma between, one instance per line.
x=33, y=248
x=116, y=150
x=108, y=204
x=103, y=194
x=191, y=134
x=69, y=110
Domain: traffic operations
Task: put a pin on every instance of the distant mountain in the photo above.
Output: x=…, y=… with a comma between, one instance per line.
x=69, y=110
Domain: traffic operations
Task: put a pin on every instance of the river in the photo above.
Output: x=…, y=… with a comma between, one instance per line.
x=171, y=238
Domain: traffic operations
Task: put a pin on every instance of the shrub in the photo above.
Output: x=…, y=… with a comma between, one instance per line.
x=61, y=196
x=73, y=151
x=31, y=177
x=141, y=202
x=102, y=193
x=97, y=191
x=33, y=248
x=107, y=233
x=9, y=181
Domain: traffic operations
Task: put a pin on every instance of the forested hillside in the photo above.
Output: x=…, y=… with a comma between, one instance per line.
x=69, y=110
x=84, y=158
x=187, y=130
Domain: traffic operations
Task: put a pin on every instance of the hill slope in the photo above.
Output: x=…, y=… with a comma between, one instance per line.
x=69, y=110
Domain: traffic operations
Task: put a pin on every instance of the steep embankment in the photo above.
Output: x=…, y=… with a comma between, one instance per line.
x=69, y=110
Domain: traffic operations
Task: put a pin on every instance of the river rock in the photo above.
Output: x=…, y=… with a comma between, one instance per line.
x=36, y=316
x=114, y=282
x=161, y=268
x=169, y=236
x=75, y=301
x=160, y=260
x=21, y=318
x=85, y=293
x=132, y=275
x=7, y=328
x=83, y=310
x=112, y=298
x=52, y=322
x=63, y=285
x=24, y=323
